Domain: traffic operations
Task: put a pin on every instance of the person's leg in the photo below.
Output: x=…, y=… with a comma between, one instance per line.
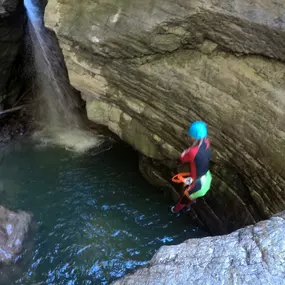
x=205, y=186
x=185, y=201
x=197, y=190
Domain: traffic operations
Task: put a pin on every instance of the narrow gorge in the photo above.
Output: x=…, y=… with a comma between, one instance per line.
x=146, y=70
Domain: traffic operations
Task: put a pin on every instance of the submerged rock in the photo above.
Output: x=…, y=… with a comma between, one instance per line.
x=13, y=229
x=253, y=255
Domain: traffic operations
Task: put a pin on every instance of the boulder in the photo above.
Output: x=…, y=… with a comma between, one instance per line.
x=252, y=255
x=14, y=227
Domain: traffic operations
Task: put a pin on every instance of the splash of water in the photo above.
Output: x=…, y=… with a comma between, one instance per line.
x=76, y=140
x=59, y=110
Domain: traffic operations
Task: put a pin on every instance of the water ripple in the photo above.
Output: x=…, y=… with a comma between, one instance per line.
x=97, y=219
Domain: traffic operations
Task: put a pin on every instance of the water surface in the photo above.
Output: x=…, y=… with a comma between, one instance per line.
x=96, y=217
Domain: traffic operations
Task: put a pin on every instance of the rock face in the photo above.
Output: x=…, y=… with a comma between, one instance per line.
x=253, y=255
x=12, y=30
x=13, y=229
x=148, y=68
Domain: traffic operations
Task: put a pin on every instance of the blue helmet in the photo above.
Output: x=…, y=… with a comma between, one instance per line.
x=198, y=130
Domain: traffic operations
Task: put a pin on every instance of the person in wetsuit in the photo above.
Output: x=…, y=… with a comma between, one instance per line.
x=198, y=156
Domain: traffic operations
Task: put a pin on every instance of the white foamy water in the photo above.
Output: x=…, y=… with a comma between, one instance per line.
x=74, y=139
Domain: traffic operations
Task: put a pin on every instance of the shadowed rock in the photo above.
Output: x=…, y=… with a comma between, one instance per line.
x=12, y=31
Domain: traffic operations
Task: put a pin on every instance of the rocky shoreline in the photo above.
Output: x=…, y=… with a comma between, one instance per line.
x=252, y=255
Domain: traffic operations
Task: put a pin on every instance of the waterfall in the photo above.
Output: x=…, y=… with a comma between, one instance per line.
x=59, y=107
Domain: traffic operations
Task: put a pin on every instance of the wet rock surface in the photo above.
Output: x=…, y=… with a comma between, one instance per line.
x=253, y=255
x=14, y=227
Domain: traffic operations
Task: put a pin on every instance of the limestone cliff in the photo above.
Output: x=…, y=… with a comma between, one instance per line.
x=148, y=68
x=12, y=29
x=253, y=255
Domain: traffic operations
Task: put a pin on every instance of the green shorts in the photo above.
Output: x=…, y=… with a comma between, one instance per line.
x=205, y=186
